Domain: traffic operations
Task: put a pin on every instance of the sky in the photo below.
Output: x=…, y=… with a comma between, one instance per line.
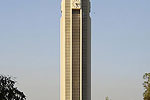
x=30, y=47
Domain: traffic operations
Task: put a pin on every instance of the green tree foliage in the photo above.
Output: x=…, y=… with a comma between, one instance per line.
x=8, y=91
x=146, y=85
x=107, y=98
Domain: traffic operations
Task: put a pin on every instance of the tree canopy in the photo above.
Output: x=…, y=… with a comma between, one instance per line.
x=8, y=91
x=146, y=85
x=107, y=98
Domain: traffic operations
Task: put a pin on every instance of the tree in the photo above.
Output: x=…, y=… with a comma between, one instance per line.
x=107, y=98
x=146, y=85
x=8, y=91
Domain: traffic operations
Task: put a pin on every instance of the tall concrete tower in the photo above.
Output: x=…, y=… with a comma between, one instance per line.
x=75, y=71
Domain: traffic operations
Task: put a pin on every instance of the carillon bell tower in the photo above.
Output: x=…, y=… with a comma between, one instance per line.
x=75, y=70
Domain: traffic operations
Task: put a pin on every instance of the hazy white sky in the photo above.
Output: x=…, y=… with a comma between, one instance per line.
x=29, y=47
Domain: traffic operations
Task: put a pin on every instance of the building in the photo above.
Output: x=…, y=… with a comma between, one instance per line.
x=75, y=71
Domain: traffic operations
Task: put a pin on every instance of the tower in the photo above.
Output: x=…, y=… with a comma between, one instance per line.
x=75, y=71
